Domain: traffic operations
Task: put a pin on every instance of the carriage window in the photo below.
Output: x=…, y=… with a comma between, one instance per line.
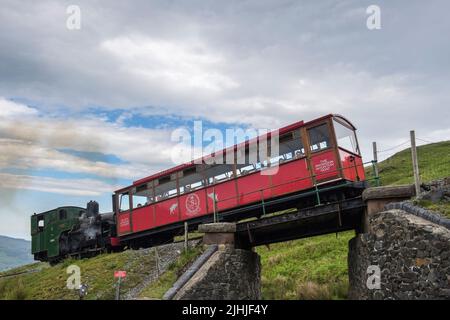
x=290, y=147
x=124, y=202
x=143, y=196
x=140, y=201
x=191, y=179
x=165, y=187
x=346, y=137
x=319, y=138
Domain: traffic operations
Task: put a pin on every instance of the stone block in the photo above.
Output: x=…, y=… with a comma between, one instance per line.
x=218, y=238
x=219, y=227
x=389, y=192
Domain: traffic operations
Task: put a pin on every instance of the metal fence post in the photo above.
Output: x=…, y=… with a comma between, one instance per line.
x=118, y=288
x=262, y=202
x=214, y=204
x=186, y=230
x=158, y=271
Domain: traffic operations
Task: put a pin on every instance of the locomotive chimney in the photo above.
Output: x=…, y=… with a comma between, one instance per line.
x=92, y=209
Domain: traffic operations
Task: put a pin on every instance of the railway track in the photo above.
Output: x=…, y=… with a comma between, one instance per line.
x=18, y=273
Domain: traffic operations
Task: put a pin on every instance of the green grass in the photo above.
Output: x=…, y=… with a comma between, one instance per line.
x=158, y=288
x=306, y=269
x=441, y=207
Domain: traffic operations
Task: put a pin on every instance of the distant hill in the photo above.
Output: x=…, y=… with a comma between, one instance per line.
x=14, y=252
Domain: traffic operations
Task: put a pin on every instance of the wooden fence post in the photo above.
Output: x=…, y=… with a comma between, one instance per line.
x=415, y=162
x=375, y=157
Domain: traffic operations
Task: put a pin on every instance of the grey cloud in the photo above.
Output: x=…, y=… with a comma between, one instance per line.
x=395, y=78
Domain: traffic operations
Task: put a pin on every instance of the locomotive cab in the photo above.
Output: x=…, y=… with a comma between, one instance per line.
x=72, y=231
x=47, y=228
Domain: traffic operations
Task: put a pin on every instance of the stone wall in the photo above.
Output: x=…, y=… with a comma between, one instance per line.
x=412, y=253
x=229, y=274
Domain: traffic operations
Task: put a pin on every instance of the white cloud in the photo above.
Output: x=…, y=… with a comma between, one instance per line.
x=30, y=156
x=73, y=187
x=175, y=65
x=12, y=109
x=35, y=141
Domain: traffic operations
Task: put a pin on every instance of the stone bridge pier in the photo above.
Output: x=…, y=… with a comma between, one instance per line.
x=223, y=272
x=404, y=252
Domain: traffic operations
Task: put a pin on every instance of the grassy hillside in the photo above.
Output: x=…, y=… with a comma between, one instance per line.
x=50, y=282
x=434, y=163
x=14, y=252
x=45, y=282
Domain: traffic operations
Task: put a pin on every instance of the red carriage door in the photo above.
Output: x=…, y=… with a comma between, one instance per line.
x=323, y=160
x=124, y=224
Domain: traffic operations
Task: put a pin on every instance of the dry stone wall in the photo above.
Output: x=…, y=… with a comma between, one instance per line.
x=411, y=253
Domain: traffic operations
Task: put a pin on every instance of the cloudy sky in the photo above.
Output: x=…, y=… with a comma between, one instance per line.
x=85, y=111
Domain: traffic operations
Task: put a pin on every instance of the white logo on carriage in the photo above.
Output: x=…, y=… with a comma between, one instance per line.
x=172, y=209
x=124, y=222
x=324, y=165
x=192, y=204
x=213, y=196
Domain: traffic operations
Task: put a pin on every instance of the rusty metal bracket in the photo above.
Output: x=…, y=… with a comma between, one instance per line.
x=339, y=214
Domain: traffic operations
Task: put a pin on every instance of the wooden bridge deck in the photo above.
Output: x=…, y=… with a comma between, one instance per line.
x=323, y=219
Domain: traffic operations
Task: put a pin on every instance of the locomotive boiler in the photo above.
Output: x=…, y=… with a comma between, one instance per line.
x=72, y=231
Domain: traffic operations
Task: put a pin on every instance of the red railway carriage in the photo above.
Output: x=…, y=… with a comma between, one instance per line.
x=317, y=161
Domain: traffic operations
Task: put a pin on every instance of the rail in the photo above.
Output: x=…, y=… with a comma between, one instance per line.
x=17, y=273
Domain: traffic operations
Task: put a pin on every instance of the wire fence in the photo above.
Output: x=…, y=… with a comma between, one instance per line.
x=433, y=162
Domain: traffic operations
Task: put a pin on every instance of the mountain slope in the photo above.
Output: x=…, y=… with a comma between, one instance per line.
x=14, y=252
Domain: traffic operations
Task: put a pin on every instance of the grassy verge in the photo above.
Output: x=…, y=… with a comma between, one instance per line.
x=313, y=268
